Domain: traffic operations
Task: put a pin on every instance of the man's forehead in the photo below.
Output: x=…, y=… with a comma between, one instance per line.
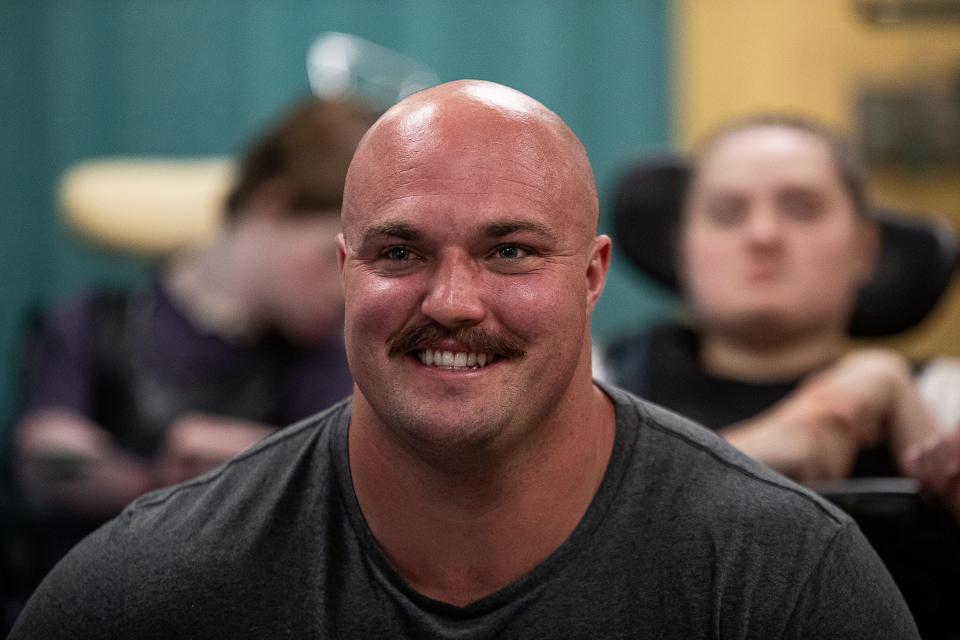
x=466, y=141
x=470, y=140
x=498, y=166
x=469, y=115
x=515, y=167
x=440, y=209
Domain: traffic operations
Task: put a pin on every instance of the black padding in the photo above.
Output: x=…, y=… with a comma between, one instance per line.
x=646, y=208
x=917, y=259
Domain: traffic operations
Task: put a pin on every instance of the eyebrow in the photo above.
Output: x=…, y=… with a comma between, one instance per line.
x=501, y=229
x=399, y=230
x=409, y=233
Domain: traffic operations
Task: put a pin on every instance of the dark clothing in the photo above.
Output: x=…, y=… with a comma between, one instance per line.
x=685, y=538
x=663, y=366
x=133, y=363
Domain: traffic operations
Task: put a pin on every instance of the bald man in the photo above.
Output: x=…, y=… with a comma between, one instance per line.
x=478, y=484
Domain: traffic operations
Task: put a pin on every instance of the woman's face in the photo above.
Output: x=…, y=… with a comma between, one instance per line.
x=771, y=245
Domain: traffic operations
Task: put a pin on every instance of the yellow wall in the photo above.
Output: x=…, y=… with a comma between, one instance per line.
x=811, y=57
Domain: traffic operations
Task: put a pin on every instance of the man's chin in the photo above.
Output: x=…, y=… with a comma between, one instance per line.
x=445, y=423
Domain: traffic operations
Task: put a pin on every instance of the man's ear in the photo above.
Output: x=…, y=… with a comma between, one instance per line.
x=597, y=269
x=341, y=253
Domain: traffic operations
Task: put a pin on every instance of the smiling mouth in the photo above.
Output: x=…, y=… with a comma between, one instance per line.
x=455, y=359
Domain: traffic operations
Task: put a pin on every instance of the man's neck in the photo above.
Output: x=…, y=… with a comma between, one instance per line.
x=768, y=361
x=457, y=537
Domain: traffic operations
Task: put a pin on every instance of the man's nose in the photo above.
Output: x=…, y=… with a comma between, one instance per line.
x=453, y=298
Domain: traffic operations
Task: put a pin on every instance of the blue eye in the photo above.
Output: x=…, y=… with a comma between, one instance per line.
x=397, y=254
x=511, y=252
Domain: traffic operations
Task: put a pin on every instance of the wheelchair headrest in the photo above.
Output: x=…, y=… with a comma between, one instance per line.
x=916, y=262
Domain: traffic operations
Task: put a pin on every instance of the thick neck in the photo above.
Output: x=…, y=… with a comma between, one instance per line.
x=768, y=361
x=459, y=535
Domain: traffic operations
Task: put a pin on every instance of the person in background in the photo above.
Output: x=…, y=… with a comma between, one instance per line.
x=129, y=391
x=772, y=248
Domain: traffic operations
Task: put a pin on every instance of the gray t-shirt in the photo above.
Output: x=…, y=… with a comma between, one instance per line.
x=686, y=538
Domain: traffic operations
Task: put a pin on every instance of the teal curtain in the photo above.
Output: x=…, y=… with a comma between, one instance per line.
x=83, y=78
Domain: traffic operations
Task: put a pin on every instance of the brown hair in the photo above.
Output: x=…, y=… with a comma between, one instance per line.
x=308, y=150
x=849, y=164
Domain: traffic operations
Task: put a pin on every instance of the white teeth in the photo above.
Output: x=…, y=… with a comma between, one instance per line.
x=454, y=359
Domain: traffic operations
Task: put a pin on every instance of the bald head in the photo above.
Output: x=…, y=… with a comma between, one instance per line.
x=462, y=133
x=470, y=235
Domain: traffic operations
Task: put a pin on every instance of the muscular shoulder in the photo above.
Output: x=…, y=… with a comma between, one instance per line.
x=291, y=462
x=174, y=551
x=716, y=527
x=712, y=478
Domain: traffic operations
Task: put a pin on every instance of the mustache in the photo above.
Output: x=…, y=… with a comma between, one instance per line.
x=472, y=339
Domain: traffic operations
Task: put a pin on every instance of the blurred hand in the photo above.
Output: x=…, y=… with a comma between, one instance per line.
x=65, y=462
x=814, y=434
x=935, y=463
x=197, y=442
x=800, y=438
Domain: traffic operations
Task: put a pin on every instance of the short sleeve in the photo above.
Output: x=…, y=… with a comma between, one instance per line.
x=850, y=595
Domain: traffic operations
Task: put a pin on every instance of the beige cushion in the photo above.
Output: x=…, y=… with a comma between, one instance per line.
x=148, y=206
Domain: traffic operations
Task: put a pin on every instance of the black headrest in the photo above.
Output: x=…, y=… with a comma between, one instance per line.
x=917, y=257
